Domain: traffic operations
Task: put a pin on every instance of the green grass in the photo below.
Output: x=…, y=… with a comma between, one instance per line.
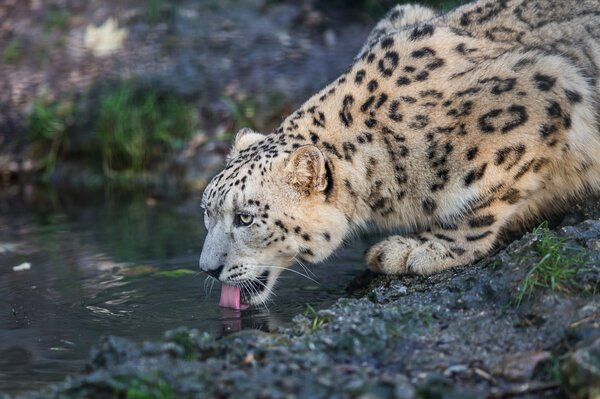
x=139, y=388
x=559, y=263
x=157, y=10
x=551, y=371
x=120, y=131
x=47, y=129
x=495, y=264
x=426, y=318
x=242, y=112
x=13, y=52
x=57, y=19
x=317, y=321
x=256, y=113
x=137, y=127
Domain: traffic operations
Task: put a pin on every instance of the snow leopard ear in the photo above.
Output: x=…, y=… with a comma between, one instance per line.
x=244, y=139
x=306, y=170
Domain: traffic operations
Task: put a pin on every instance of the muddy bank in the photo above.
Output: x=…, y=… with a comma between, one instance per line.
x=495, y=329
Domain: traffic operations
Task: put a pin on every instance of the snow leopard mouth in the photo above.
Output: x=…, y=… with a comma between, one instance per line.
x=255, y=286
x=244, y=293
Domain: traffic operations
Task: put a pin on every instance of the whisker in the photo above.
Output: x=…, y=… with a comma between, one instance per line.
x=246, y=286
x=288, y=269
x=207, y=281
x=295, y=258
x=213, y=280
x=264, y=300
x=306, y=269
x=255, y=279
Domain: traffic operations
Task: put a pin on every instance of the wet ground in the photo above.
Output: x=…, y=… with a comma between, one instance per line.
x=112, y=263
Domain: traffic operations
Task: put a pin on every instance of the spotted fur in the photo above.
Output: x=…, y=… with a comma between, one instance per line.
x=454, y=127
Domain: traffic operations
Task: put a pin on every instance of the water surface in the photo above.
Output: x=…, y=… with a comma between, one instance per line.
x=113, y=263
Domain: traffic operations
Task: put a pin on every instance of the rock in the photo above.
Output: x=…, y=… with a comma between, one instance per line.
x=456, y=369
x=581, y=372
x=586, y=231
x=521, y=366
x=392, y=292
x=6, y=247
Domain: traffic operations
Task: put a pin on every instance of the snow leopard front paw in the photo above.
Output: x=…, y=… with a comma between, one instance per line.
x=390, y=255
x=401, y=255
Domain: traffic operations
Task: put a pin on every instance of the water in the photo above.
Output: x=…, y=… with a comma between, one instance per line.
x=110, y=263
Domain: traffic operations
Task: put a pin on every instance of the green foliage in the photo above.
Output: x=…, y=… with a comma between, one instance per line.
x=190, y=341
x=416, y=318
x=132, y=128
x=135, y=127
x=242, y=111
x=57, y=19
x=158, y=10
x=557, y=267
x=47, y=129
x=317, y=321
x=551, y=371
x=495, y=264
x=13, y=52
x=256, y=113
x=426, y=318
x=149, y=389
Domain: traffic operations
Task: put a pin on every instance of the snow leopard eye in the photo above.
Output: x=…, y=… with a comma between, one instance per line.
x=243, y=220
x=206, y=218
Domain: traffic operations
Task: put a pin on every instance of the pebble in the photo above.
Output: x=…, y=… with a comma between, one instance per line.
x=521, y=366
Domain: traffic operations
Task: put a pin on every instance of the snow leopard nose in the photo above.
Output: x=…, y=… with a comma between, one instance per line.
x=216, y=273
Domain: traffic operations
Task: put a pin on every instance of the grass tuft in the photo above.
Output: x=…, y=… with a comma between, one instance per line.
x=136, y=127
x=242, y=111
x=57, y=19
x=557, y=267
x=133, y=128
x=158, y=11
x=140, y=388
x=317, y=321
x=13, y=52
x=47, y=129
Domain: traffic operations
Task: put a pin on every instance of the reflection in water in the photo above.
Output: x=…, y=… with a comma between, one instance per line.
x=232, y=321
x=107, y=263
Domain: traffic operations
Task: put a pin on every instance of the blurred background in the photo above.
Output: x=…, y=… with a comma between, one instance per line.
x=113, y=116
x=150, y=91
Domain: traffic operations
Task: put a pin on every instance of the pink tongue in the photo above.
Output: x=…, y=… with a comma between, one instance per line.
x=230, y=297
